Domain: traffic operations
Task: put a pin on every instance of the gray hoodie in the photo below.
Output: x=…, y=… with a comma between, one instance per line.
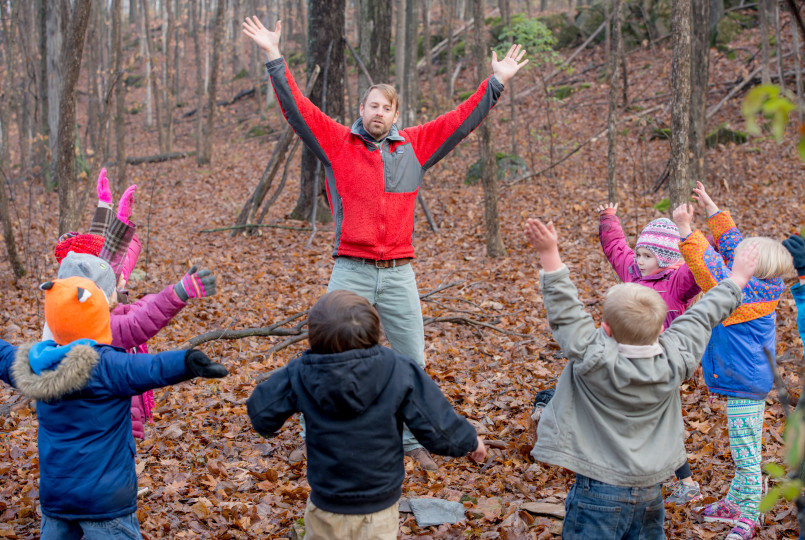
x=616, y=416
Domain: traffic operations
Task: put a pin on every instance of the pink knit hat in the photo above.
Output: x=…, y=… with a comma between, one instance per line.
x=661, y=237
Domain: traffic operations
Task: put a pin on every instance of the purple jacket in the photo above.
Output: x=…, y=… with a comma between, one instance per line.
x=133, y=325
x=676, y=285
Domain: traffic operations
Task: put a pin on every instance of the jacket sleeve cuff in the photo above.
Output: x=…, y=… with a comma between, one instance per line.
x=719, y=223
x=496, y=84
x=274, y=65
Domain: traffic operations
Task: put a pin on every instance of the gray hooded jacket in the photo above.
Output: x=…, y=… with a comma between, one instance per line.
x=616, y=419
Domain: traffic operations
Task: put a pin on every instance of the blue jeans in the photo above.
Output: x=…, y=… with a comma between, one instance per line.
x=605, y=512
x=122, y=528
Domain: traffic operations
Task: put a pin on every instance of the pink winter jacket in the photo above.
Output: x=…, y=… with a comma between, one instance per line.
x=133, y=325
x=676, y=285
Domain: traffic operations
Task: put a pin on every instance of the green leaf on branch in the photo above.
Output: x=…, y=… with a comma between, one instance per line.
x=775, y=470
x=768, y=502
x=792, y=489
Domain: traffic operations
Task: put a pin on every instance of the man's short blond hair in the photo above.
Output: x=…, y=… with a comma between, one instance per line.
x=774, y=259
x=634, y=313
x=388, y=91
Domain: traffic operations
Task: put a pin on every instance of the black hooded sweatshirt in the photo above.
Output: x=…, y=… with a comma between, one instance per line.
x=355, y=404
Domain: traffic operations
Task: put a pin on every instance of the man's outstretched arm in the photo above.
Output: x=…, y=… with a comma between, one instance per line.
x=318, y=131
x=433, y=140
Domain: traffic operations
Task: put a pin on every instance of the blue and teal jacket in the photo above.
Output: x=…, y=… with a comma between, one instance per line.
x=86, y=449
x=736, y=361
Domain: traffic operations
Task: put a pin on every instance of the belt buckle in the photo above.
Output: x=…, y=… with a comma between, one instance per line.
x=382, y=264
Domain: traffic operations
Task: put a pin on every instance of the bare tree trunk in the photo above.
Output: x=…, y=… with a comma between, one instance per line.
x=218, y=30
x=426, y=45
x=797, y=68
x=153, y=78
x=325, y=25
x=699, y=78
x=679, y=181
x=410, y=94
x=494, y=241
x=763, y=11
x=195, y=17
x=120, y=96
x=55, y=36
x=777, y=45
x=505, y=14
x=612, y=117
x=171, y=66
x=374, y=40
x=43, y=107
x=68, y=184
x=399, y=53
x=9, y=56
x=451, y=11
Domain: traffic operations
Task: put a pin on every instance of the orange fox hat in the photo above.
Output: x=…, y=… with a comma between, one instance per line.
x=75, y=308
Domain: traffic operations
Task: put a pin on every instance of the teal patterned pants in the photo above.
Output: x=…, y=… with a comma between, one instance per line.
x=745, y=424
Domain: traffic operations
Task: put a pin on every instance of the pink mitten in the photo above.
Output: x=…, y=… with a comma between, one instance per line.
x=104, y=193
x=126, y=204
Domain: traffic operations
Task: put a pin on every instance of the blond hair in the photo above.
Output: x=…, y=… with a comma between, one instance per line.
x=388, y=91
x=635, y=313
x=774, y=259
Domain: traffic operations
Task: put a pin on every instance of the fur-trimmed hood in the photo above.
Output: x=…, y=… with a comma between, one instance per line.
x=72, y=373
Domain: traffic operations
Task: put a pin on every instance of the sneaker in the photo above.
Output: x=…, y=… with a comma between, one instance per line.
x=744, y=530
x=299, y=453
x=721, y=511
x=424, y=459
x=540, y=401
x=684, y=493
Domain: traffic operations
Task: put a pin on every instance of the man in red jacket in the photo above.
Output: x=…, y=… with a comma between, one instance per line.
x=373, y=171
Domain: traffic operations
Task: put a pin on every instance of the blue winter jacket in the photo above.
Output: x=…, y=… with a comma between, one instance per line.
x=736, y=362
x=798, y=292
x=86, y=449
x=7, y=352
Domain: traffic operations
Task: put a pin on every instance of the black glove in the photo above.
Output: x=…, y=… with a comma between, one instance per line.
x=796, y=246
x=199, y=364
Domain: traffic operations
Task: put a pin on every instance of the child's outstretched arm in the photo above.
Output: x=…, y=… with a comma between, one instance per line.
x=725, y=233
x=707, y=266
x=103, y=212
x=271, y=403
x=546, y=243
x=617, y=251
x=132, y=374
x=572, y=327
x=120, y=232
x=690, y=332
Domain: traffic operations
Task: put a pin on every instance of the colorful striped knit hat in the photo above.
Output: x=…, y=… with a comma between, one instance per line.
x=661, y=237
x=78, y=243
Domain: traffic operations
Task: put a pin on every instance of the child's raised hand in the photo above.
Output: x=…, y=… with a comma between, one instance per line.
x=126, y=204
x=543, y=237
x=479, y=454
x=104, y=193
x=704, y=200
x=744, y=265
x=608, y=209
x=683, y=217
x=545, y=240
x=196, y=284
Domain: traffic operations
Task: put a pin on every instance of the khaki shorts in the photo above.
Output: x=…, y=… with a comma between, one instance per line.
x=323, y=525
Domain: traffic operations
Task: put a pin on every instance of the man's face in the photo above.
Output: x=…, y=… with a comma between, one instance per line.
x=378, y=114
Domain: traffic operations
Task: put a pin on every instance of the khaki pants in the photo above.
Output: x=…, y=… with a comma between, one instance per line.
x=323, y=525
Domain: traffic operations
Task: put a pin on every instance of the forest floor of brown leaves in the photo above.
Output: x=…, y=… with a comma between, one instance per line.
x=211, y=476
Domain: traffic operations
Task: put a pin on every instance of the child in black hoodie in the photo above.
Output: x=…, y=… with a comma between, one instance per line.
x=355, y=396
